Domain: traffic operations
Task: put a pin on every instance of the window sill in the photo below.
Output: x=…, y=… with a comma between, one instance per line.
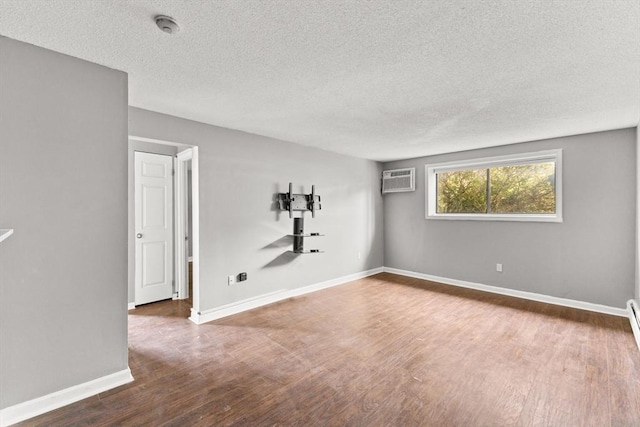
x=499, y=217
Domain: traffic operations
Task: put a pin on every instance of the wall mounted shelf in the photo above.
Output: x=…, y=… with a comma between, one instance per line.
x=299, y=235
x=5, y=232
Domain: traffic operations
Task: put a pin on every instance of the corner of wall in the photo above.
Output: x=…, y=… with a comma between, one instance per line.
x=637, y=293
x=75, y=150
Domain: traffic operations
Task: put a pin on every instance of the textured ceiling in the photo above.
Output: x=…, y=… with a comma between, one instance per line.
x=374, y=79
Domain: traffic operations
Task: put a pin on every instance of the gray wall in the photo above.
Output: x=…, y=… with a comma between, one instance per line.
x=241, y=231
x=63, y=152
x=589, y=257
x=146, y=147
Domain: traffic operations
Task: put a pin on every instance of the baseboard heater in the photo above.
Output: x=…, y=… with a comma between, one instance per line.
x=634, y=318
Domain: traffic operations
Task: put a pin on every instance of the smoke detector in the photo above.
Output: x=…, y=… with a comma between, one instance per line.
x=167, y=24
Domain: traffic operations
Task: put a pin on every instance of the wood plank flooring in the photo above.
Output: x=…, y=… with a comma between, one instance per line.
x=382, y=351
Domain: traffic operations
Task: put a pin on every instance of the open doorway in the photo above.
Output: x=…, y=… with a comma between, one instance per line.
x=183, y=273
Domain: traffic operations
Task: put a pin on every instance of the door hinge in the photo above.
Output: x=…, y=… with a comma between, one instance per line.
x=173, y=172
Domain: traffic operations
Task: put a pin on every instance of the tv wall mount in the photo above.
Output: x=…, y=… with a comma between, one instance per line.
x=299, y=202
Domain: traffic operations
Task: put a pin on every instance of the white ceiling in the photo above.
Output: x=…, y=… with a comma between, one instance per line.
x=379, y=79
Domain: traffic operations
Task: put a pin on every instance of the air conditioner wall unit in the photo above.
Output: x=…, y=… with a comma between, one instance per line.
x=398, y=180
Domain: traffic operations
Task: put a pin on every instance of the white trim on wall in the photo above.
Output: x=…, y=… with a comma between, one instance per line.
x=259, y=301
x=634, y=319
x=195, y=230
x=182, y=285
x=157, y=141
x=32, y=408
x=131, y=306
x=513, y=293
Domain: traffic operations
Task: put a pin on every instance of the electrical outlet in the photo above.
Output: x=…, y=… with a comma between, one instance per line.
x=499, y=268
x=242, y=277
x=232, y=280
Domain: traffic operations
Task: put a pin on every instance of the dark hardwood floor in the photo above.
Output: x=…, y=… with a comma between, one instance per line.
x=382, y=351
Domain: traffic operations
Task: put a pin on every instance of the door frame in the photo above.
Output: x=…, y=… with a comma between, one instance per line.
x=181, y=214
x=180, y=185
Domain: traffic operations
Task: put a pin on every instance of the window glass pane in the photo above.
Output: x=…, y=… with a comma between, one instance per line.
x=528, y=189
x=462, y=191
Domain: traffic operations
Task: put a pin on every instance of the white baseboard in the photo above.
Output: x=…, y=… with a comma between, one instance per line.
x=131, y=306
x=31, y=408
x=633, y=318
x=514, y=293
x=259, y=301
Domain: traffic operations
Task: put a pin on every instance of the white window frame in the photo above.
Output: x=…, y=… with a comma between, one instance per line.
x=432, y=170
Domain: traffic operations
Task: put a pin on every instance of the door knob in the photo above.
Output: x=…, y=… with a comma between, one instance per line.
x=139, y=235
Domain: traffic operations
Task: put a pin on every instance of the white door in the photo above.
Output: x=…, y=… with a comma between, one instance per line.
x=153, y=227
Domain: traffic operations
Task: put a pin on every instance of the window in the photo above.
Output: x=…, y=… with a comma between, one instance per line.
x=522, y=187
